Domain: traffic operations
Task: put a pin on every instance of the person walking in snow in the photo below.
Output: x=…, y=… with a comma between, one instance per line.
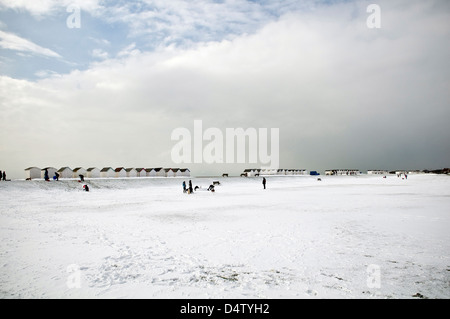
x=1, y=175
x=4, y=176
x=56, y=176
x=46, y=175
x=191, y=190
x=264, y=182
x=184, y=187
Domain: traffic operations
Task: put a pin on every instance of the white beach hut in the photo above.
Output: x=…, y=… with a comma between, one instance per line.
x=93, y=172
x=51, y=172
x=79, y=171
x=140, y=172
x=169, y=172
x=160, y=172
x=32, y=173
x=120, y=172
x=184, y=172
x=107, y=172
x=156, y=172
x=65, y=172
x=131, y=172
x=176, y=172
x=150, y=172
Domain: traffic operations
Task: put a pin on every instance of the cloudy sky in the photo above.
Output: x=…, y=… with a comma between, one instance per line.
x=109, y=88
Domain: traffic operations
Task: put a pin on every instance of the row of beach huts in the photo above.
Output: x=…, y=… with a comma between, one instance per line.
x=106, y=172
x=330, y=172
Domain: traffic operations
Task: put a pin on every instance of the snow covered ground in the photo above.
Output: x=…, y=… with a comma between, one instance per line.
x=342, y=237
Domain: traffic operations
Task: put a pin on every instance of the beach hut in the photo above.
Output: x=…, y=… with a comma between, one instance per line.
x=150, y=172
x=120, y=172
x=169, y=172
x=93, y=172
x=32, y=173
x=79, y=171
x=65, y=172
x=156, y=172
x=176, y=172
x=185, y=172
x=131, y=172
x=51, y=172
x=107, y=172
x=140, y=172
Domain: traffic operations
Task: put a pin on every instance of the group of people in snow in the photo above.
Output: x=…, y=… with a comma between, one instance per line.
x=211, y=188
x=56, y=178
x=3, y=176
x=190, y=190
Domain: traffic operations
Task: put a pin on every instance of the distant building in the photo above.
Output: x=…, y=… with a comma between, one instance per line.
x=32, y=173
x=185, y=172
x=93, y=172
x=342, y=172
x=65, y=172
x=51, y=172
x=169, y=172
x=377, y=172
x=120, y=172
x=131, y=172
x=79, y=171
x=107, y=172
x=156, y=172
x=140, y=172
x=273, y=172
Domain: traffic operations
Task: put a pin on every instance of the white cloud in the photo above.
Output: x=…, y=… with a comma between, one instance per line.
x=11, y=41
x=100, y=54
x=40, y=8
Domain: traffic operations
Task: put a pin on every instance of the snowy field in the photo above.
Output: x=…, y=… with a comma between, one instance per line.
x=342, y=237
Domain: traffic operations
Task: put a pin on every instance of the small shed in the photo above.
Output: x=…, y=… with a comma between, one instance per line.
x=176, y=172
x=185, y=172
x=169, y=172
x=79, y=171
x=140, y=172
x=32, y=173
x=93, y=172
x=120, y=172
x=156, y=172
x=65, y=172
x=131, y=172
x=51, y=172
x=107, y=172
